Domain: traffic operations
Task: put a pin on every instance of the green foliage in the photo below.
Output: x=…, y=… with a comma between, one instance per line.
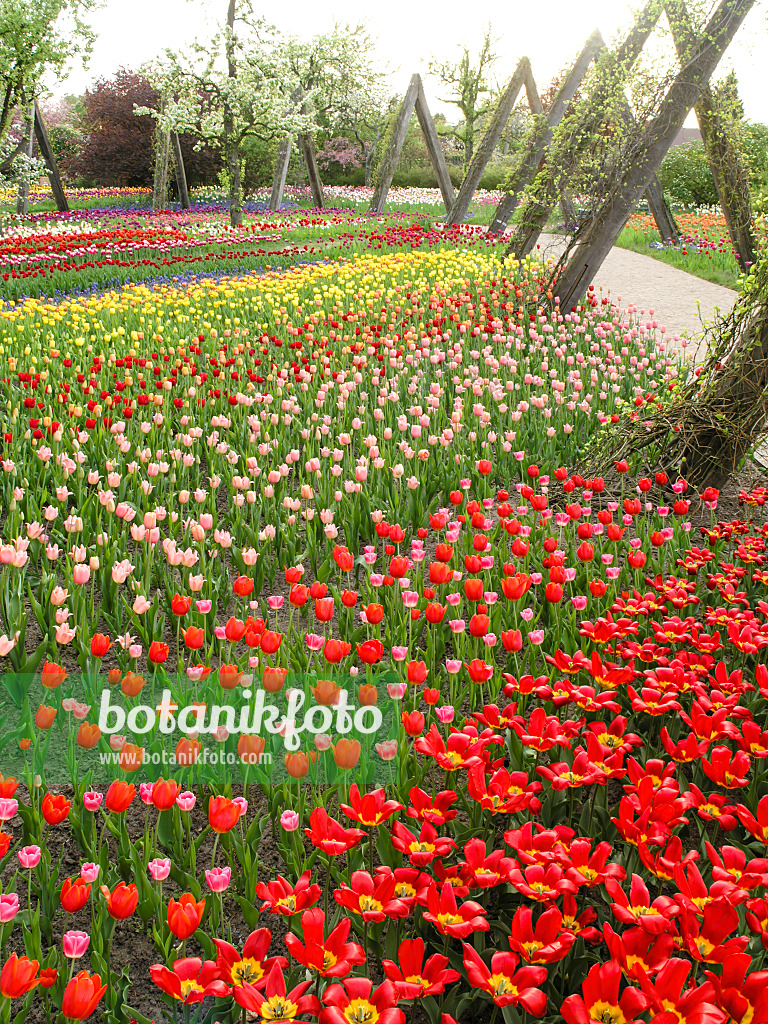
x=38, y=37
x=686, y=176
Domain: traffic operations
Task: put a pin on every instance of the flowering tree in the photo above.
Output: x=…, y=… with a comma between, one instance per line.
x=37, y=37
x=237, y=85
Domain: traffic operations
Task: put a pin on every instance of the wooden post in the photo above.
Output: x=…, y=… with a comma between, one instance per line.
x=434, y=148
x=281, y=173
x=728, y=171
x=310, y=162
x=654, y=194
x=181, y=174
x=542, y=137
x=608, y=221
x=44, y=145
x=487, y=147
x=22, y=202
x=555, y=175
x=657, y=204
x=391, y=157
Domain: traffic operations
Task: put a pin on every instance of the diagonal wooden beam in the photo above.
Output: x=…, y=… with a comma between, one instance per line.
x=310, y=162
x=542, y=136
x=46, y=151
x=181, y=174
x=435, y=150
x=487, y=147
x=554, y=177
x=391, y=156
x=608, y=221
x=281, y=173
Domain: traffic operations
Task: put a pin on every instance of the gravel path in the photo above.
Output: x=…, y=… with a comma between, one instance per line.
x=669, y=297
x=674, y=299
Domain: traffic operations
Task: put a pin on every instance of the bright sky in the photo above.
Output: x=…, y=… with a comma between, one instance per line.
x=408, y=33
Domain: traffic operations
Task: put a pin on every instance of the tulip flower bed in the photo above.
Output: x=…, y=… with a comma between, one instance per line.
x=58, y=254
x=354, y=487
x=705, y=247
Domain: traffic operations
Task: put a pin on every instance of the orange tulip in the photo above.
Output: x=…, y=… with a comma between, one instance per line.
x=229, y=676
x=74, y=895
x=82, y=995
x=88, y=735
x=346, y=753
x=122, y=901
x=132, y=685
x=187, y=751
x=297, y=765
x=164, y=794
x=45, y=716
x=52, y=675
x=131, y=757
x=326, y=692
x=223, y=814
x=19, y=976
x=250, y=748
x=367, y=695
x=273, y=679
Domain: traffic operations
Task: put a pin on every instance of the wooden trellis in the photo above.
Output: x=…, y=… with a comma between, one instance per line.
x=36, y=130
x=414, y=99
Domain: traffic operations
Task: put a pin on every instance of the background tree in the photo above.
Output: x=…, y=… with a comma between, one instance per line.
x=117, y=145
x=224, y=91
x=470, y=88
x=38, y=39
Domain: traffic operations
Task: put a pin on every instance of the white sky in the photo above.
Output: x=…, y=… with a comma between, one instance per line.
x=408, y=33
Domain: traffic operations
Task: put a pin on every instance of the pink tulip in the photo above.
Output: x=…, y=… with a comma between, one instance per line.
x=89, y=872
x=159, y=868
x=445, y=713
x=242, y=803
x=399, y=653
x=536, y=636
x=396, y=691
x=29, y=856
x=204, y=606
x=8, y=808
x=9, y=907
x=387, y=750
x=145, y=792
x=186, y=801
x=75, y=944
x=81, y=574
x=92, y=801
x=289, y=820
x=218, y=879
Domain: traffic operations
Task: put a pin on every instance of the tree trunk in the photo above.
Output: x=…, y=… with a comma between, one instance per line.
x=469, y=142
x=160, y=184
x=608, y=222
